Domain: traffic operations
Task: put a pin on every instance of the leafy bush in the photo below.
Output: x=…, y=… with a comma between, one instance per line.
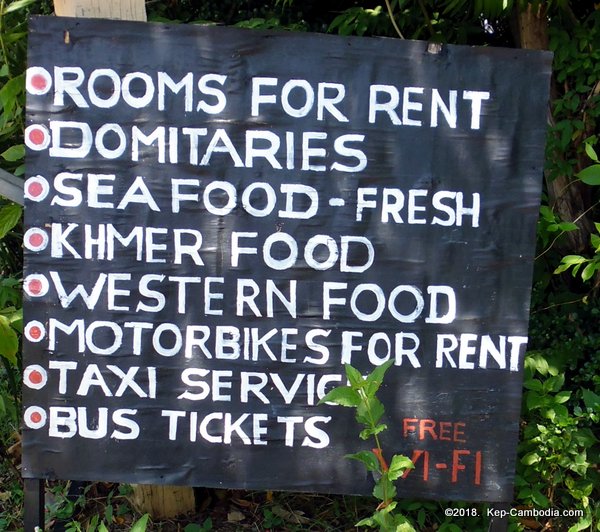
x=559, y=449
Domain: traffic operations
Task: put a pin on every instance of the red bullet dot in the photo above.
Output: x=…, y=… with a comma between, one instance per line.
x=36, y=417
x=35, y=189
x=36, y=240
x=35, y=286
x=38, y=82
x=35, y=333
x=35, y=377
x=37, y=136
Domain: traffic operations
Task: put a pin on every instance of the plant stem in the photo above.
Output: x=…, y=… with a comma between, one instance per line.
x=2, y=44
x=365, y=399
x=563, y=232
x=426, y=15
x=389, y=8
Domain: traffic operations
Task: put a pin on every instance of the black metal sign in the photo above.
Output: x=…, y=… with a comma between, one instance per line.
x=219, y=219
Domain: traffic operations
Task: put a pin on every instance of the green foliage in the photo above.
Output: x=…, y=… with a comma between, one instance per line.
x=11, y=322
x=550, y=227
x=586, y=267
x=12, y=102
x=361, y=395
x=575, y=110
x=89, y=511
x=11, y=312
x=271, y=519
x=10, y=215
x=13, y=33
x=453, y=21
x=558, y=453
x=206, y=526
x=559, y=449
x=141, y=524
x=254, y=14
x=575, y=115
x=96, y=525
x=270, y=24
x=11, y=498
x=360, y=21
x=591, y=174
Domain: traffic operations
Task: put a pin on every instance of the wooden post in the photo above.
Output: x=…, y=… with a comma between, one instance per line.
x=161, y=502
x=499, y=523
x=115, y=9
x=33, y=514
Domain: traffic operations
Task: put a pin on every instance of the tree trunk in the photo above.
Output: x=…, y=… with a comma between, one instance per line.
x=567, y=198
x=161, y=502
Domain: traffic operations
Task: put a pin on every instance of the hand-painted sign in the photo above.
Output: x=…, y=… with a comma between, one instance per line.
x=219, y=219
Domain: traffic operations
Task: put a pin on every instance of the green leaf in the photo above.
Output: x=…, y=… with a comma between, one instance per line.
x=66, y=510
x=399, y=465
x=589, y=271
x=580, y=489
x=372, y=431
x=562, y=397
x=343, y=396
x=19, y=4
x=561, y=268
x=102, y=527
x=591, y=153
x=450, y=527
x=375, y=378
x=384, y=490
x=140, y=524
x=192, y=527
x=591, y=399
x=533, y=384
x=354, y=377
x=583, y=524
x=367, y=521
x=535, y=400
x=558, y=413
x=14, y=37
x=369, y=411
x=568, y=226
x=554, y=384
x=108, y=511
x=590, y=175
x=537, y=362
x=9, y=217
x=530, y=458
x=540, y=499
x=547, y=213
x=403, y=524
x=9, y=342
x=573, y=259
x=16, y=320
x=14, y=153
x=367, y=458
x=9, y=93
